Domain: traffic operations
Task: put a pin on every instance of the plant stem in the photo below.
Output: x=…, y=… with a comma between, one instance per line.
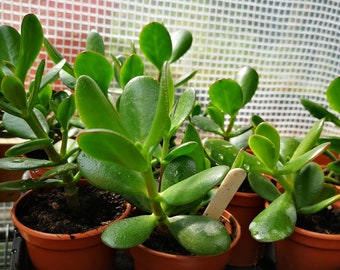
x=230, y=127
x=153, y=193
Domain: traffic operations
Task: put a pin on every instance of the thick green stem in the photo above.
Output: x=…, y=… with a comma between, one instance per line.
x=230, y=127
x=153, y=193
x=286, y=183
x=165, y=151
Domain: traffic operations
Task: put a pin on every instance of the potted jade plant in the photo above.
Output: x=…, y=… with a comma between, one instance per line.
x=227, y=98
x=301, y=191
x=126, y=148
x=44, y=119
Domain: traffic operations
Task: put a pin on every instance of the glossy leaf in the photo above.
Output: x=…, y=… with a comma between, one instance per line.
x=308, y=184
x=97, y=67
x=89, y=98
x=9, y=45
x=28, y=184
x=138, y=112
x=248, y=79
x=276, y=222
x=332, y=94
x=106, y=145
x=320, y=205
x=195, y=186
x=14, y=91
x=155, y=43
x=288, y=146
x=94, y=42
x=263, y=186
x=21, y=163
x=129, y=232
x=177, y=170
x=181, y=43
x=182, y=109
x=31, y=42
x=217, y=116
x=199, y=234
x=132, y=67
x=28, y=146
x=184, y=79
x=66, y=110
x=272, y=134
x=226, y=95
x=180, y=150
x=207, y=124
x=57, y=170
x=110, y=176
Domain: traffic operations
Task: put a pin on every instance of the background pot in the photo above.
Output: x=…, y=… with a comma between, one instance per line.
x=83, y=251
x=148, y=259
x=245, y=207
x=308, y=250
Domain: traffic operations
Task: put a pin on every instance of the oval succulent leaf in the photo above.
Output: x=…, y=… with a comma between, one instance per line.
x=10, y=45
x=21, y=163
x=248, y=79
x=276, y=222
x=332, y=94
x=181, y=43
x=14, y=91
x=217, y=116
x=308, y=184
x=132, y=67
x=28, y=146
x=180, y=150
x=207, y=124
x=97, y=67
x=263, y=186
x=110, y=146
x=66, y=110
x=129, y=232
x=94, y=42
x=200, y=235
x=155, y=43
x=31, y=42
x=195, y=187
x=226, y=95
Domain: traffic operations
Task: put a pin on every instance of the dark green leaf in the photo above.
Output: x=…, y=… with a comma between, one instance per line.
x=9, y=45
x=94, y=42
x=184, y=79
x=217, y=116
x=28, y=146
x=263, y=186
x=21, y=163
x=14, y=91
x=132, y=67
x=207, y=124
x=332, y=94
x=181, y=43
x=248, y=79
x=66, y=110
x=180, y=150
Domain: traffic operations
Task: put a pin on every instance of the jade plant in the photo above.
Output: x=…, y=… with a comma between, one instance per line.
x=227, y=98
x=299, y=184
x=126, y=147
x=333, y=168
x=33, y=111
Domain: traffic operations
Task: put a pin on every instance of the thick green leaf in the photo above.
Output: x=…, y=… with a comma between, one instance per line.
x=310, y=139
x=110, y=176
x=155, y=43
x=276, y=222
x=298, y=163
x=195, y=187
x=14, y=91
x=226, y=95
x=207, y=124
x=263, y=186
x=308, y=184
x=94, y=42
x=112, y=147
x=332, y=94
x=89, y=98
x=271, y=134
x=57, y=170
x=52, y=74
x=182, y=109
x=288, y=146
x=199, y=234
x=138, y=112
x=177, y=170
x=129, y=232
x=66, y=110
x=18, y=127
x=21, y=163
x=181, y=43
x=28, y=184
x=180, y=150
x=132, y=67
x=31, y=42
x=265, y=151
x=97, y=67
x=184, y=79
x=217, y=116
x=28, y=146
x=320, y=205
x=9, y=45
x=248, y=79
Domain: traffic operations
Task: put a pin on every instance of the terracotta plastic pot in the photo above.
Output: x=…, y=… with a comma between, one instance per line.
x=148, y=259
x=83, y=251
x=308, y=250
x=245, y=207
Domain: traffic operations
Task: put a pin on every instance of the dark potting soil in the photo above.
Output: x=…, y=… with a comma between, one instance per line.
x=326, y=221
x=48, y=212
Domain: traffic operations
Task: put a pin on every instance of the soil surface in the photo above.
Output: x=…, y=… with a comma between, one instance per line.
x=326, y=221
x=48, y=212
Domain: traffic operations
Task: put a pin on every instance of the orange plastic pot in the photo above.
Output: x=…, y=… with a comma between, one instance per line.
x=83, y=251
x=308, y=250
x=148, y=259
x=245, y=207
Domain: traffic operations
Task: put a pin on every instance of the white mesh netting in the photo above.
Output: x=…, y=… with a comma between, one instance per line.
x=294, y=45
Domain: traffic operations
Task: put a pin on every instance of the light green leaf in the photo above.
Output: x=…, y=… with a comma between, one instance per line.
x=207, y=124
x=66, y=110
x=332, y=94
x=200, y=235
x=129, y=232
x=248, y=79
x=28, y=146
x=132, y=67
x=94, y=42
x=180, y=150
x=181, y=43
x=14, y=91
x=263, y=186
